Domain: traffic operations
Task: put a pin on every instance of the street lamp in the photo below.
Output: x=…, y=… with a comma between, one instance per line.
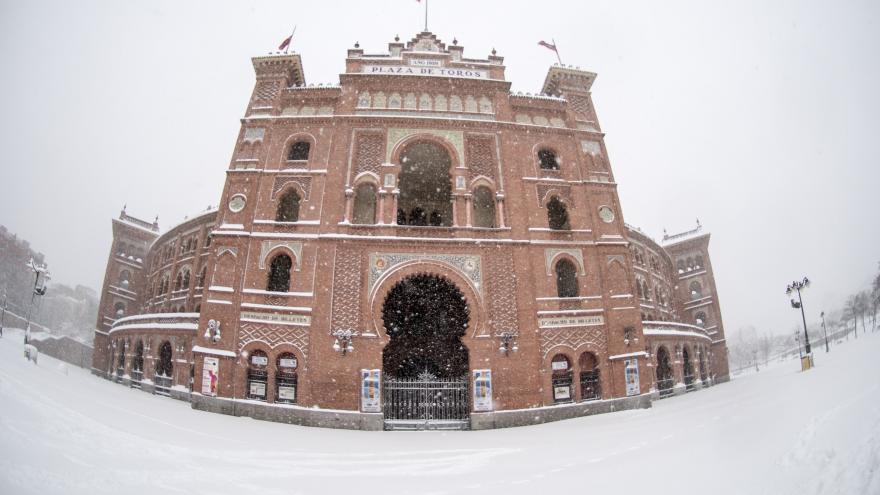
x=39, y=290
x=508, y=344
x=343, y=342
x=796, y=286
x=824, y=330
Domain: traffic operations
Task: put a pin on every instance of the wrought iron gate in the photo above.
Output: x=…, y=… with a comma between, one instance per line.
x=425, y=403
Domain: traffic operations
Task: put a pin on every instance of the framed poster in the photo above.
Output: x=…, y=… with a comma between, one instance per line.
x=631, y=369
x=210, y=375
x=371, y=391
x=482, y=390
x=258, y=389
x=562, y=392
x=287, y=392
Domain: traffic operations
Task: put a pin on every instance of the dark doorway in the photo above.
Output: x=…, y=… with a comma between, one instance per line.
x=664, y=372
x=425, y=364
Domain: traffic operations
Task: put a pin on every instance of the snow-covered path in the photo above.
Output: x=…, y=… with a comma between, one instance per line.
x=777, y=431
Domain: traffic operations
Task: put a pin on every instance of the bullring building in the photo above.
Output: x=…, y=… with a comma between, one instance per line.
x=413, y=247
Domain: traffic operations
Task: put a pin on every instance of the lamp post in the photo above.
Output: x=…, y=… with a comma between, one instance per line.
x=824, y=329
x=39, y=290
x=796, y=286
x=3, y=313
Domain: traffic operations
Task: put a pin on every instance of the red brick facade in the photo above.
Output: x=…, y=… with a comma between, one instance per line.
x=341, y=155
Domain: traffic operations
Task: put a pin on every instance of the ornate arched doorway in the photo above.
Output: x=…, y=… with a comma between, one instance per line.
x=425, y=363
x=664, y=372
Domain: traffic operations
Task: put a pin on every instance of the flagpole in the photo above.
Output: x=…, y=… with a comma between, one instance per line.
x=426, y=15
x=291, y=40
x=556, y=49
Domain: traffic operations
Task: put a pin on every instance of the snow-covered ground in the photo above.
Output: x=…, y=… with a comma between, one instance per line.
x=777, y=431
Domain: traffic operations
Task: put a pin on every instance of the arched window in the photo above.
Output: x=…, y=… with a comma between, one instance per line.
x=548, y=160
x=164, y=365
x=680, y=266
x=365, y=204
x=566, y=279
x=288, y=207
x=646, y=291
x=690, y=264
x=561, y=373
x=137, y=363
x=279, y=274
x=484, y=208
x=299, y=151
x=591, y=389
x=120, y=365
x=185, y=283
x=664, y=372
x=119, y=309
x=696, y=290
x=124, y=279
x=698, y=262
x=425, y=185
x=700, y=319
x=285, y=378
x=557, y=215
x=258, y=373
x=200, y=281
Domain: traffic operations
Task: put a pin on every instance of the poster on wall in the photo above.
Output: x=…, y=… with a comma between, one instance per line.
x=258, y=389
x=482, y=390
x=370, y=391
x=210, y=374
x=287, y=392
x=562, y=392
x=631, y=368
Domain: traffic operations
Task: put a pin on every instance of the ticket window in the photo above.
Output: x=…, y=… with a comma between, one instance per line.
x=257, y=375
x=562, y=383
x=285, y=379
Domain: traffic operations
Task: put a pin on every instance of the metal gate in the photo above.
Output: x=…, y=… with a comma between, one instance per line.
x=426, y=404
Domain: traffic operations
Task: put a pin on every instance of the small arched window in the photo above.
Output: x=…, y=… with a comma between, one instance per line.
x=557, y=215
x=561, y=376
x=646, y=290
x=700, y=319
x=124, y=279
x=365, y=204
x=285, y=378
x=257, y=375
x=288, y=207
x=186, y=277
x=680, y=266
x=299, y=151
x=119, y=309
x=178, y=281
x=279, y=274
x=698, y=262
x=484, y=208
x=566, y=279
x=200, y=281
x=696, y=290
x=548, y=160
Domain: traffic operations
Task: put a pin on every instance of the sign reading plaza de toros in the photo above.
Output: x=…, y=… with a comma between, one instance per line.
x=404, y=70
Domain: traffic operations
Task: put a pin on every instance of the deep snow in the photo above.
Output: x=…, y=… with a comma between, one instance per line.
x=63, y=430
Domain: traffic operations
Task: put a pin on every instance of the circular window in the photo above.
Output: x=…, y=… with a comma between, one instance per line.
x=236, y=203
x=606, y=214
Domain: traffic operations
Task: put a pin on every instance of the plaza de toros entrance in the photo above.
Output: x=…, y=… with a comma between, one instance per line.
x=425, y=364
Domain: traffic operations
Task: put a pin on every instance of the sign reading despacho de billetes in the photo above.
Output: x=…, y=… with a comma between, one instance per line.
x=275, y=317
x=405, y=70
x=571, y=321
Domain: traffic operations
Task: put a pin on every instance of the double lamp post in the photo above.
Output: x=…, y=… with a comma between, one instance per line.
x=796, y=286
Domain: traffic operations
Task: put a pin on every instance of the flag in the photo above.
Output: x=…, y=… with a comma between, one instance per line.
x=548, y=45
x=284, y=44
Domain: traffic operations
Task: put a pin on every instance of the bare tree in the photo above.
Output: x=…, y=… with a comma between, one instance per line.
x=765, y=346
x=852, y=311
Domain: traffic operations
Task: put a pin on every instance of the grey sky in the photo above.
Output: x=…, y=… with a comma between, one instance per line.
x=758, y=117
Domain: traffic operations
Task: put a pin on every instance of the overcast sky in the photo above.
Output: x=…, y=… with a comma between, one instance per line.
x=759, y=118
